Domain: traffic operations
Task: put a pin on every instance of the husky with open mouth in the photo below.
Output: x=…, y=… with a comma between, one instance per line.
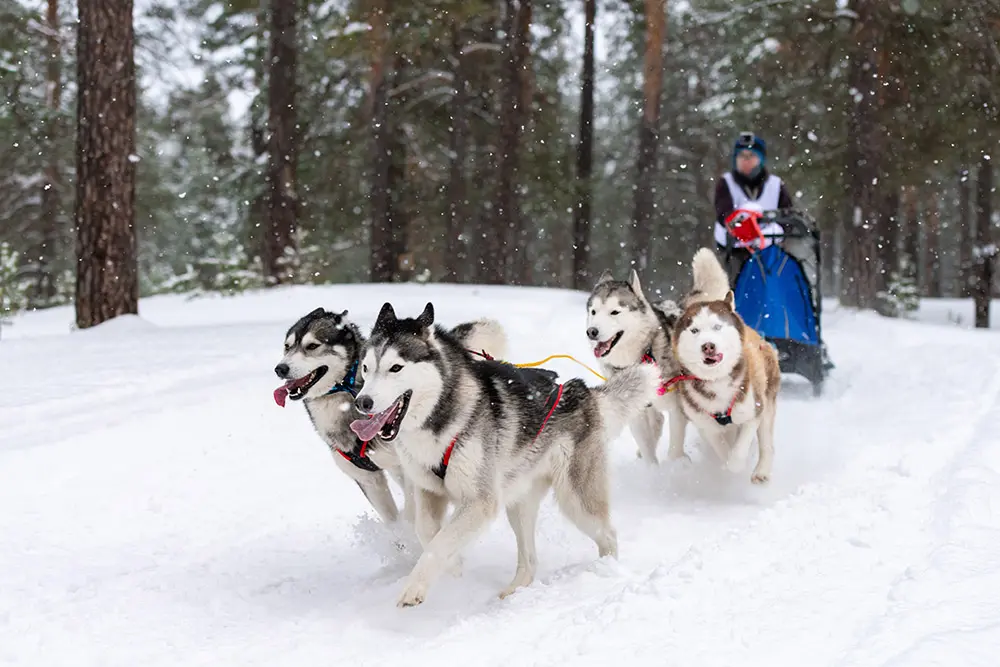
x=484, y=435
x=320, y=368
x=729, y=383
x=624, y=328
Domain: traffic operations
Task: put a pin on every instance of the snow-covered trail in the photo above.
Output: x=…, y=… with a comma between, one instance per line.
x=156, y=507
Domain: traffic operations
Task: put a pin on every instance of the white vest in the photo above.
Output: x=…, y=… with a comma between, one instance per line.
x=768, y=198
x=766, y=201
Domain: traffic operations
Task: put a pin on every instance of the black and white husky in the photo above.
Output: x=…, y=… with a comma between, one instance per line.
x=484, y=435
x=625, y=328
x=320, y=363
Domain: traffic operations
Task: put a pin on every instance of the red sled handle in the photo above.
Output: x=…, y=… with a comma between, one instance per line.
x=744, y=226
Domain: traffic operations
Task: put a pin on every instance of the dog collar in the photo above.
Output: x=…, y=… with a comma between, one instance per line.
x=359, y=456
x=347, y=384
x=721, y=418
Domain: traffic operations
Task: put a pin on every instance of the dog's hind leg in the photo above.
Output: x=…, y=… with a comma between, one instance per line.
x=469, y=519
x=647, y=428
x=583, y=494
x=523, y=516
x=765, y=446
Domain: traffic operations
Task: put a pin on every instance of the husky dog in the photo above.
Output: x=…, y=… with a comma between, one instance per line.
x=485, y=435
x=319, y=366
x=729, y=383
x=626, y=328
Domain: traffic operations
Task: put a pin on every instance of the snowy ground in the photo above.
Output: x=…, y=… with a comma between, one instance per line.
x=157, y=508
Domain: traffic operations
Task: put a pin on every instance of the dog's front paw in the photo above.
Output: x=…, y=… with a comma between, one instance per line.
x=759, y=477
x=413, y=594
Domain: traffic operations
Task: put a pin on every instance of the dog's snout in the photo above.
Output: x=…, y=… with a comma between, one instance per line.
x=708, y=348
x=281, y=370
x=592, y=333
x=364, y=404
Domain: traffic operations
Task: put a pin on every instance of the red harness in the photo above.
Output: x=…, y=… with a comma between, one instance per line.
x=442, y=468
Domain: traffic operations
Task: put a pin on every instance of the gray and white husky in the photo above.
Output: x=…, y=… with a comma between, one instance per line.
x=484, y=435
x=625, y=328
x=321, y=356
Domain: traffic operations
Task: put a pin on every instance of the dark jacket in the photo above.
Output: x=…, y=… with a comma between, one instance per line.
x=724, y=202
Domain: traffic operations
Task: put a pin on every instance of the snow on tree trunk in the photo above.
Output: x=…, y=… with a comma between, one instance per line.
x=279, y=238
x=649, y=136
x=584, y=156
x=107, y=283
x=985, y=250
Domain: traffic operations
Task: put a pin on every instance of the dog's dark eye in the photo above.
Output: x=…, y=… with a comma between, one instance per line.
x=615, y=312
x=395, y=368
x=312, y=346
x=364, y=368
x=593, y=312
x=694, y=330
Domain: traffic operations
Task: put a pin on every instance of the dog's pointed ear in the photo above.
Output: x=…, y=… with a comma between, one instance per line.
x=635, y=285
x=426, y=318
x=730, y=300
x=605, y=277
x=343, y=315
x=319, y=312
x=385, y=316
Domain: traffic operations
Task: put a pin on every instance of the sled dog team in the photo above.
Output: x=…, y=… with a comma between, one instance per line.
x=438, y=411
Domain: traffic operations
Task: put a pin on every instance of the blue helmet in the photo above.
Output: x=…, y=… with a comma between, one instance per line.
x=749, y=141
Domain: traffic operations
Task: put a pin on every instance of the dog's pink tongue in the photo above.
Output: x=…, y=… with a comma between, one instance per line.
x=367, y=429
x=280, y=394
x=601, y=349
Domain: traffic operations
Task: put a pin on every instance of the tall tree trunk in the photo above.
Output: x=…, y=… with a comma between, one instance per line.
x=966, y=235
x=509, y=225
x=932, y=247
x=279, y=238
x=985, y=251
x=49, y=251
x=585, y=157
x=888, y=236
x=383, y=261
x=649, y=135
x=910, y=264
x=456, y=225
x=107, y=280
x=863, y=161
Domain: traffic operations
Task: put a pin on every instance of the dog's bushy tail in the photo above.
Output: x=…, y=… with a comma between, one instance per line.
x=483, y=335
x=710, y=278
x=626, y=394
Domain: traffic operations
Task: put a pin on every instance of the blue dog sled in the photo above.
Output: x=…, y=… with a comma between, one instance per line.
x=777, y=290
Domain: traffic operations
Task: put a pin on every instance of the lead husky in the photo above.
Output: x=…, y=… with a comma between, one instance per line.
x=319, y=366
x=626, y=328
x=485, y=435
x=730, y=383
